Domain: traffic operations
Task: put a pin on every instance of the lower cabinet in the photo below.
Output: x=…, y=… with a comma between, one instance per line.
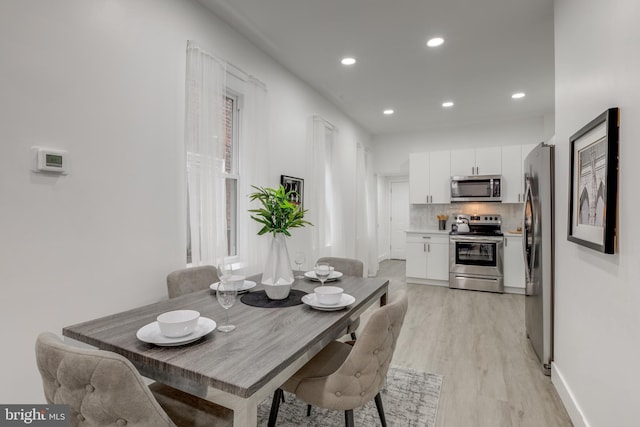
x=427, y=256
x=513, y=262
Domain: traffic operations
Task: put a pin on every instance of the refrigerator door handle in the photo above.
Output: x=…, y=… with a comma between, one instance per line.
x=528, y=231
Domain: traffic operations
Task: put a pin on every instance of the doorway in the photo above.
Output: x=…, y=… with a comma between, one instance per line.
x=399, y=218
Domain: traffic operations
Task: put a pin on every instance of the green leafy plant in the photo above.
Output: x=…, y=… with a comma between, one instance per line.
x=277, y=214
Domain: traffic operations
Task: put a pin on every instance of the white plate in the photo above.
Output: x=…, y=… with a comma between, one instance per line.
x=335, y=275
x=151, y=333
x=311, y=300
x=248, y=284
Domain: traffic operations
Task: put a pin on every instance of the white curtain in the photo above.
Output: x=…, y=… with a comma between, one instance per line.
x=320, y=187
x=204, y=136
x=254, y=161
x=366, y=241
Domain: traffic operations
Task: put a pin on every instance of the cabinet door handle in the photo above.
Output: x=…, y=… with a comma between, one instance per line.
x=473, y=170
x=426, y=237
x=428, y=247
x=424, y=247
x=518, y=197
x=506, y=242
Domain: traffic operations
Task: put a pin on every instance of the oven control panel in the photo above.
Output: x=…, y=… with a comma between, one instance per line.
x=485, y=219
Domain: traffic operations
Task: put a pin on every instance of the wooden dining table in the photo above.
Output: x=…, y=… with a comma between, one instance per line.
x=238, y=369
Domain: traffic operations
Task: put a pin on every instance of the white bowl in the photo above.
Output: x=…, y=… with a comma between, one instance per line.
x=328, y=295
x=178, y=323
x=277, y=292
x=236, y=281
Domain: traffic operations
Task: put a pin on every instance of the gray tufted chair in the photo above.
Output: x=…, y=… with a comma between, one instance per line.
x=348, y=267
x=104, y=389
x=191, y=279
x=344, y=377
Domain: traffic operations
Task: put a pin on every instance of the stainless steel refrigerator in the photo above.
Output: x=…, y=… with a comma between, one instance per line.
x=538, y=247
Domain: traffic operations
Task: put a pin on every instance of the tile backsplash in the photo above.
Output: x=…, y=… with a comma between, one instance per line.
x=425, y=216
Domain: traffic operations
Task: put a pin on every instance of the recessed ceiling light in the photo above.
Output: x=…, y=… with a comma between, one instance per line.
x=348, y=61
x=447, y=104
x=436, y=41
x=388, y=112
x=518, y=95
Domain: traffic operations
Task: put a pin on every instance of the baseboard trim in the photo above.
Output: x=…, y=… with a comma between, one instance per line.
x=569, y=401
x=512, y=290
x=444, y=283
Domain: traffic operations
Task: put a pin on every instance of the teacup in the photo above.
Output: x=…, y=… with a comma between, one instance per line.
x=328, y=295
x=178, y=323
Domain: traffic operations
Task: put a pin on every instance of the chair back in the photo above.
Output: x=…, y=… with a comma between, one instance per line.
x=101, y=388
x=191, y=279
x=362, y=374
x=347, y=266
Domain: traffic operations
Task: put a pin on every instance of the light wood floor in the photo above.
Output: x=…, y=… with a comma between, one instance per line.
x=477, y=341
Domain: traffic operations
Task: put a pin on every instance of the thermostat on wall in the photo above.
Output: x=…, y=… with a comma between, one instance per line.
x=50, y=160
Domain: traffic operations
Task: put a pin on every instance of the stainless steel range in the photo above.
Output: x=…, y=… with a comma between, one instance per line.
x=476, y=253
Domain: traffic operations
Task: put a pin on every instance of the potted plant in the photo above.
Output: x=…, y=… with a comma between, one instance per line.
x=277, y=215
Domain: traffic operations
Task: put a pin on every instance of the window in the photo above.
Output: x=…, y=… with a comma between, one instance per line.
x=231, y=174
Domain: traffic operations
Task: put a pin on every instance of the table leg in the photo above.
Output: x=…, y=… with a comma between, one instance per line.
x=245, y=415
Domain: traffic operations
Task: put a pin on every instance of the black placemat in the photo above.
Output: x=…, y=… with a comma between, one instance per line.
x=260, y=299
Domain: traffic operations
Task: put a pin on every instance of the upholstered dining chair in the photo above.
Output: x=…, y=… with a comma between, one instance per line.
x=348, y=267
x=345, y=377
x=191, y=279
x=103, y=388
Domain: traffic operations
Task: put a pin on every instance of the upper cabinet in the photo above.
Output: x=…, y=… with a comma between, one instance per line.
x=429, y=176
x=478, y=161
x=512, y=172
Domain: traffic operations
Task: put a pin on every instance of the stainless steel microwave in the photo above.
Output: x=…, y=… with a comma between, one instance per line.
x=476, y=188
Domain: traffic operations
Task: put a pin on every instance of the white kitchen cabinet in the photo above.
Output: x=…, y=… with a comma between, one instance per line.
x=476, y=161
x=440, y=176
x=429, y=177
x=512, y=172
x=513, y=262
x=438, y=258
x=416, y=264
x=428, y=256
x=419, y=178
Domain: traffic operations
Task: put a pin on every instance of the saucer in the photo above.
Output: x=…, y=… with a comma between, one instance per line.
x=151, y=333
x=335, y=275
x=312, y=301
x=248, y=284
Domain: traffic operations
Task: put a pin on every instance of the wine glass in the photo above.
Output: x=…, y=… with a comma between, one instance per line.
x=323, y=271
x=226, y=295
x=225, y=268
x=299, y=260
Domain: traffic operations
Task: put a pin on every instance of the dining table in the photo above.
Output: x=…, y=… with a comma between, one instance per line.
x=238, y=369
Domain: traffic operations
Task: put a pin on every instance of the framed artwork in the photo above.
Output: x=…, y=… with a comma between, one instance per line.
x=593, y=191
x=291, y=183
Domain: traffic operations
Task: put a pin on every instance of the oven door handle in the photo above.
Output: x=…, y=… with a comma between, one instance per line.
x=476, y=239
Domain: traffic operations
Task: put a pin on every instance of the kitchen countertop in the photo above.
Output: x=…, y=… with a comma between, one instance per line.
x=428, y=230
x=436, y=231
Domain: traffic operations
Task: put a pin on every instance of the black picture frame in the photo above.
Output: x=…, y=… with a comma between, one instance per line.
x=593, y=191
x=291, y=183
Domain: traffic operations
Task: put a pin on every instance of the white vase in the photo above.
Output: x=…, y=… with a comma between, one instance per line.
x=277, y=276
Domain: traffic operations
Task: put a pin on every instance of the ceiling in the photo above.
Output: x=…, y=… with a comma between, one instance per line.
x=492, y=49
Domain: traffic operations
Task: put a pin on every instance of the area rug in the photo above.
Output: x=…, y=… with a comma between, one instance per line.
x=410, y=398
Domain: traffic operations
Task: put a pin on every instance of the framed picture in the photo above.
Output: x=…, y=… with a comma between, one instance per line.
x=291, y=183
x=593, y=192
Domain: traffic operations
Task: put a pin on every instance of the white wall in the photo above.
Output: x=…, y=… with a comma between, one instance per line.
x=105, y=81
x=597, y=345
x=391, y=152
